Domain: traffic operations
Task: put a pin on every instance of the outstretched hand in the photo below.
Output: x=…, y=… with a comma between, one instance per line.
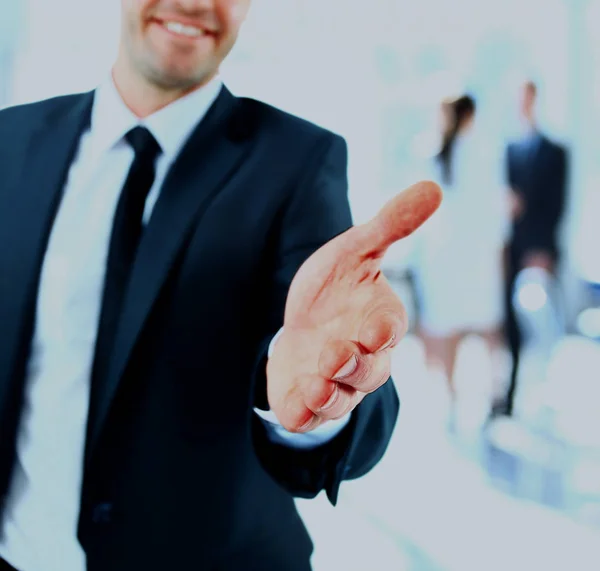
x=342, y=318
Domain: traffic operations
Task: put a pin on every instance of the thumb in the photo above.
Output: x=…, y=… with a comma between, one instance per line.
x=399, y=218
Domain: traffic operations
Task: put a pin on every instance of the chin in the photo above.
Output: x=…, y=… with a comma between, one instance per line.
x=175, y=79
x=168, y=75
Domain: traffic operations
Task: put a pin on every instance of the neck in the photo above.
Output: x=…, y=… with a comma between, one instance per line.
x=529, y=125
x=142, y=97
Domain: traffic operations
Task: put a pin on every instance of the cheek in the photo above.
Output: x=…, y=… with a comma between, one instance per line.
x=145, y=4
x=231, y=14
x=138, y=6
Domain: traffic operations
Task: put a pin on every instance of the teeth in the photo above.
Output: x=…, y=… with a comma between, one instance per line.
x=180, y=28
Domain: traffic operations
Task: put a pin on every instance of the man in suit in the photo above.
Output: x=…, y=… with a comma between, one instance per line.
x=536, y=170
x=192, y=331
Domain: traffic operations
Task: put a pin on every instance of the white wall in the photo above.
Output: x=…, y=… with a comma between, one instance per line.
x=68, y=47
x=315, y=59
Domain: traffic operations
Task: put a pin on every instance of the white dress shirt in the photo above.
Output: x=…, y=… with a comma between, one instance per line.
x=39, y=528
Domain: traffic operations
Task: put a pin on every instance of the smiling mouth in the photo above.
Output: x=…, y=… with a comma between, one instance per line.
x=180, y=29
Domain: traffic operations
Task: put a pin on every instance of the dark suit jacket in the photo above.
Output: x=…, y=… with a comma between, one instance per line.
x=539, y=174
x=179, y=473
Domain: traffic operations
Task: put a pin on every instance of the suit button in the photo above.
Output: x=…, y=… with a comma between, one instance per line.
x=102, y=513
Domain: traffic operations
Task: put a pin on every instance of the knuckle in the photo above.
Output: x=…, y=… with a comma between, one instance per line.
x=335, y=356
x=384, y=325
x=377, y=375
x=337, y=410
x=362, y=376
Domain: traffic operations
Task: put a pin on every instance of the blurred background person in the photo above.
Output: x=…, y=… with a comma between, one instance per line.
x=459, y=267
x=537, y=174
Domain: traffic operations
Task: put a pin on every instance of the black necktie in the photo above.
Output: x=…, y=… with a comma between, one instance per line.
x=125, y=237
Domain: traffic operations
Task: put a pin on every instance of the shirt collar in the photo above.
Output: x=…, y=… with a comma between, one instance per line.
x=171, y=126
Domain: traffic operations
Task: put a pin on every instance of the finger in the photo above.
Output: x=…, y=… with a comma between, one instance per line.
x=384, y=328
x=315, y=401
x=293, y=414
x=372, y=373
x=346, y=363
x=296, y=408
x=399, y=218
x=329, y=400
x=339, y=359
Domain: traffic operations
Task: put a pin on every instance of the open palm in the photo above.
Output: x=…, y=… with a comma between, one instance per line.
x=342, y=318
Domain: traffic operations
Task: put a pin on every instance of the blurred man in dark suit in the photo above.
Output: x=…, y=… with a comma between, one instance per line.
x=537, y=174
x=192, y=332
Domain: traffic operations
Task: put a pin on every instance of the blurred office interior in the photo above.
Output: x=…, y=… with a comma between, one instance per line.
x=517, y=493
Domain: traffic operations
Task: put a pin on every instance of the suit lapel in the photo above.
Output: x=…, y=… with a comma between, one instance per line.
x=204, y=166
x=26, y=219
x=530, y=157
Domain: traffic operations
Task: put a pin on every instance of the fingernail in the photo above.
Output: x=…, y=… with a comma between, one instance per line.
x=388, y=344
x=347, y=369
x=306, y=427
x=332, y=399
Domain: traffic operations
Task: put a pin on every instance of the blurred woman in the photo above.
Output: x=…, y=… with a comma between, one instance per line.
x=459, y=270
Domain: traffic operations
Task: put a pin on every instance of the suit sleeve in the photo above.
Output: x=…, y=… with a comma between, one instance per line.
x=317, y=211
x=509, y=178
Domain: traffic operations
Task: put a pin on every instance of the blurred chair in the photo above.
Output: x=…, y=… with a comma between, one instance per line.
x=550, y=450
x=537, y=304
x=539, y=311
